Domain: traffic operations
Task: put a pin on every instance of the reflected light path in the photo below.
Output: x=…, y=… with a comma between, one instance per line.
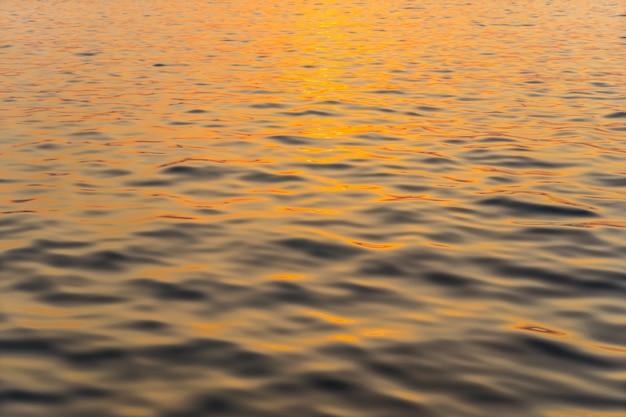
x=312, y=208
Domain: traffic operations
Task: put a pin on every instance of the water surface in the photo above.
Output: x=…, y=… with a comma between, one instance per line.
x=313, y=208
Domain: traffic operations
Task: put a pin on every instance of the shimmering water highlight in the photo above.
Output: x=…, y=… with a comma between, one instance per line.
x=313, y=208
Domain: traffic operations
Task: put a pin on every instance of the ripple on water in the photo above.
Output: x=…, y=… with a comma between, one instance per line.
x=321, y=209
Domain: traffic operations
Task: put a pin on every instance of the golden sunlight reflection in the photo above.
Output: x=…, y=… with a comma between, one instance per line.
x=312, y=208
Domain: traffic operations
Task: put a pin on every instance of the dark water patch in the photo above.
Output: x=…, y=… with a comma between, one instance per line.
x=309, y=113
x=49, y=146
x=87, y=392
x=105, y=356
x=209, y=212
x=168, y=291
x=318, y=249
x=327, y=223
x=382, y=268
x=89, y=133
x=436, y=161
x=498, y=179
x=68, y=299
x=547, y=234
x=378, y=138
x=54, y=244
x=355, y=293
x=13, y=227
x=372, y=108
x=608, y=179
x=265, y=177
x=448, y=237
x=603, y=276
x=100, y=260
x=429, y=108
x=149, y=183
x=480, y=395
x=344, y=388
x=112, y=173
x=277, y=293
x=268, y=106
x=94, y=213
x=511, y=161
x=169, y=234
x=145, y=325
x=195, y=352
x=388, y=92
x=559, y=283
x=331, y=102
x=31, y=397
x=606, y=332
x=518, y=208
x=391, y=216
x=576, y=252
x=249, y=364
x=544, y=349
x=496, y=139
x=212, y=404
x=35, y=284
x=329, y=383
x=292, y=140
x=193, y=173
x=447, y=279
x=509, y=269
x=18, y=212
x=29, y=345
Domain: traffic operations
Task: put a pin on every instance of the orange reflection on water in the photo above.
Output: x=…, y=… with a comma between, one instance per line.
x=329, y=317
x=211, y=329
x=416, y=180
x=288, y=277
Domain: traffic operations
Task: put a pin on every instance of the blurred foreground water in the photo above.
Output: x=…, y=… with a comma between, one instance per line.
x=313, y=208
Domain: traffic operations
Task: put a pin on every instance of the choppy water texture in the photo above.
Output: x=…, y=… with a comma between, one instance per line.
x=313, y=208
